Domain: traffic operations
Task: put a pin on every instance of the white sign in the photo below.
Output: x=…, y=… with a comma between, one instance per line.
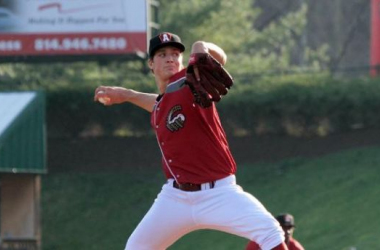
x=34, y=27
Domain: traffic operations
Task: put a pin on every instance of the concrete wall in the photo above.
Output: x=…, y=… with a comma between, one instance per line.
x=20, y=207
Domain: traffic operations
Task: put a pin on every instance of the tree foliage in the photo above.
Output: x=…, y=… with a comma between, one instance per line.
x=230, y=24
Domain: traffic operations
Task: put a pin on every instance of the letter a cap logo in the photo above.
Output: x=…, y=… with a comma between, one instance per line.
x=165, y=39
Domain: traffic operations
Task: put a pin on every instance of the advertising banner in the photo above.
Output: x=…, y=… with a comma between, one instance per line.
x=72, y=27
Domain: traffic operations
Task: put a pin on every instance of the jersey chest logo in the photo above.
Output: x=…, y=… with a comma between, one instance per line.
x=175, y=119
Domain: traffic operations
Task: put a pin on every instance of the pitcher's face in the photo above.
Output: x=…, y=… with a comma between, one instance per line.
x=166, y=62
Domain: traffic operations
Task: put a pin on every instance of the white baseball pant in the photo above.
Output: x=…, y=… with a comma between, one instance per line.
x=226, y=207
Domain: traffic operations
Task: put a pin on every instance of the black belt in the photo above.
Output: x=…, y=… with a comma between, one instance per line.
x=190, y=187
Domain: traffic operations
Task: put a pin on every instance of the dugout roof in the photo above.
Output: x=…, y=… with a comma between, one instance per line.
x=22, y=132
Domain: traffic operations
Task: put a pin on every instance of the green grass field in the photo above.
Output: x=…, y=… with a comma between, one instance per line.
x=335, y=200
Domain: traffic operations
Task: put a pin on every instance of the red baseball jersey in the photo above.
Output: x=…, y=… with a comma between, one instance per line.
x=191, y=139
x=292, y=245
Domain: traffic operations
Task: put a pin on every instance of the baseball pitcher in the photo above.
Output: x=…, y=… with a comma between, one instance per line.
x=201, y=190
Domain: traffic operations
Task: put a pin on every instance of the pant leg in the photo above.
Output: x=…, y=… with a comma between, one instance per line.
x=234, y=211
x=168, y=219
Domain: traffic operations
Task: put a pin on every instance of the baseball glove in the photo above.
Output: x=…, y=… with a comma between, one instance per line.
x=214, y=80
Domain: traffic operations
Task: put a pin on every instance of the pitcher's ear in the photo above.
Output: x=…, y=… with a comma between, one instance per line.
x=150, y=65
